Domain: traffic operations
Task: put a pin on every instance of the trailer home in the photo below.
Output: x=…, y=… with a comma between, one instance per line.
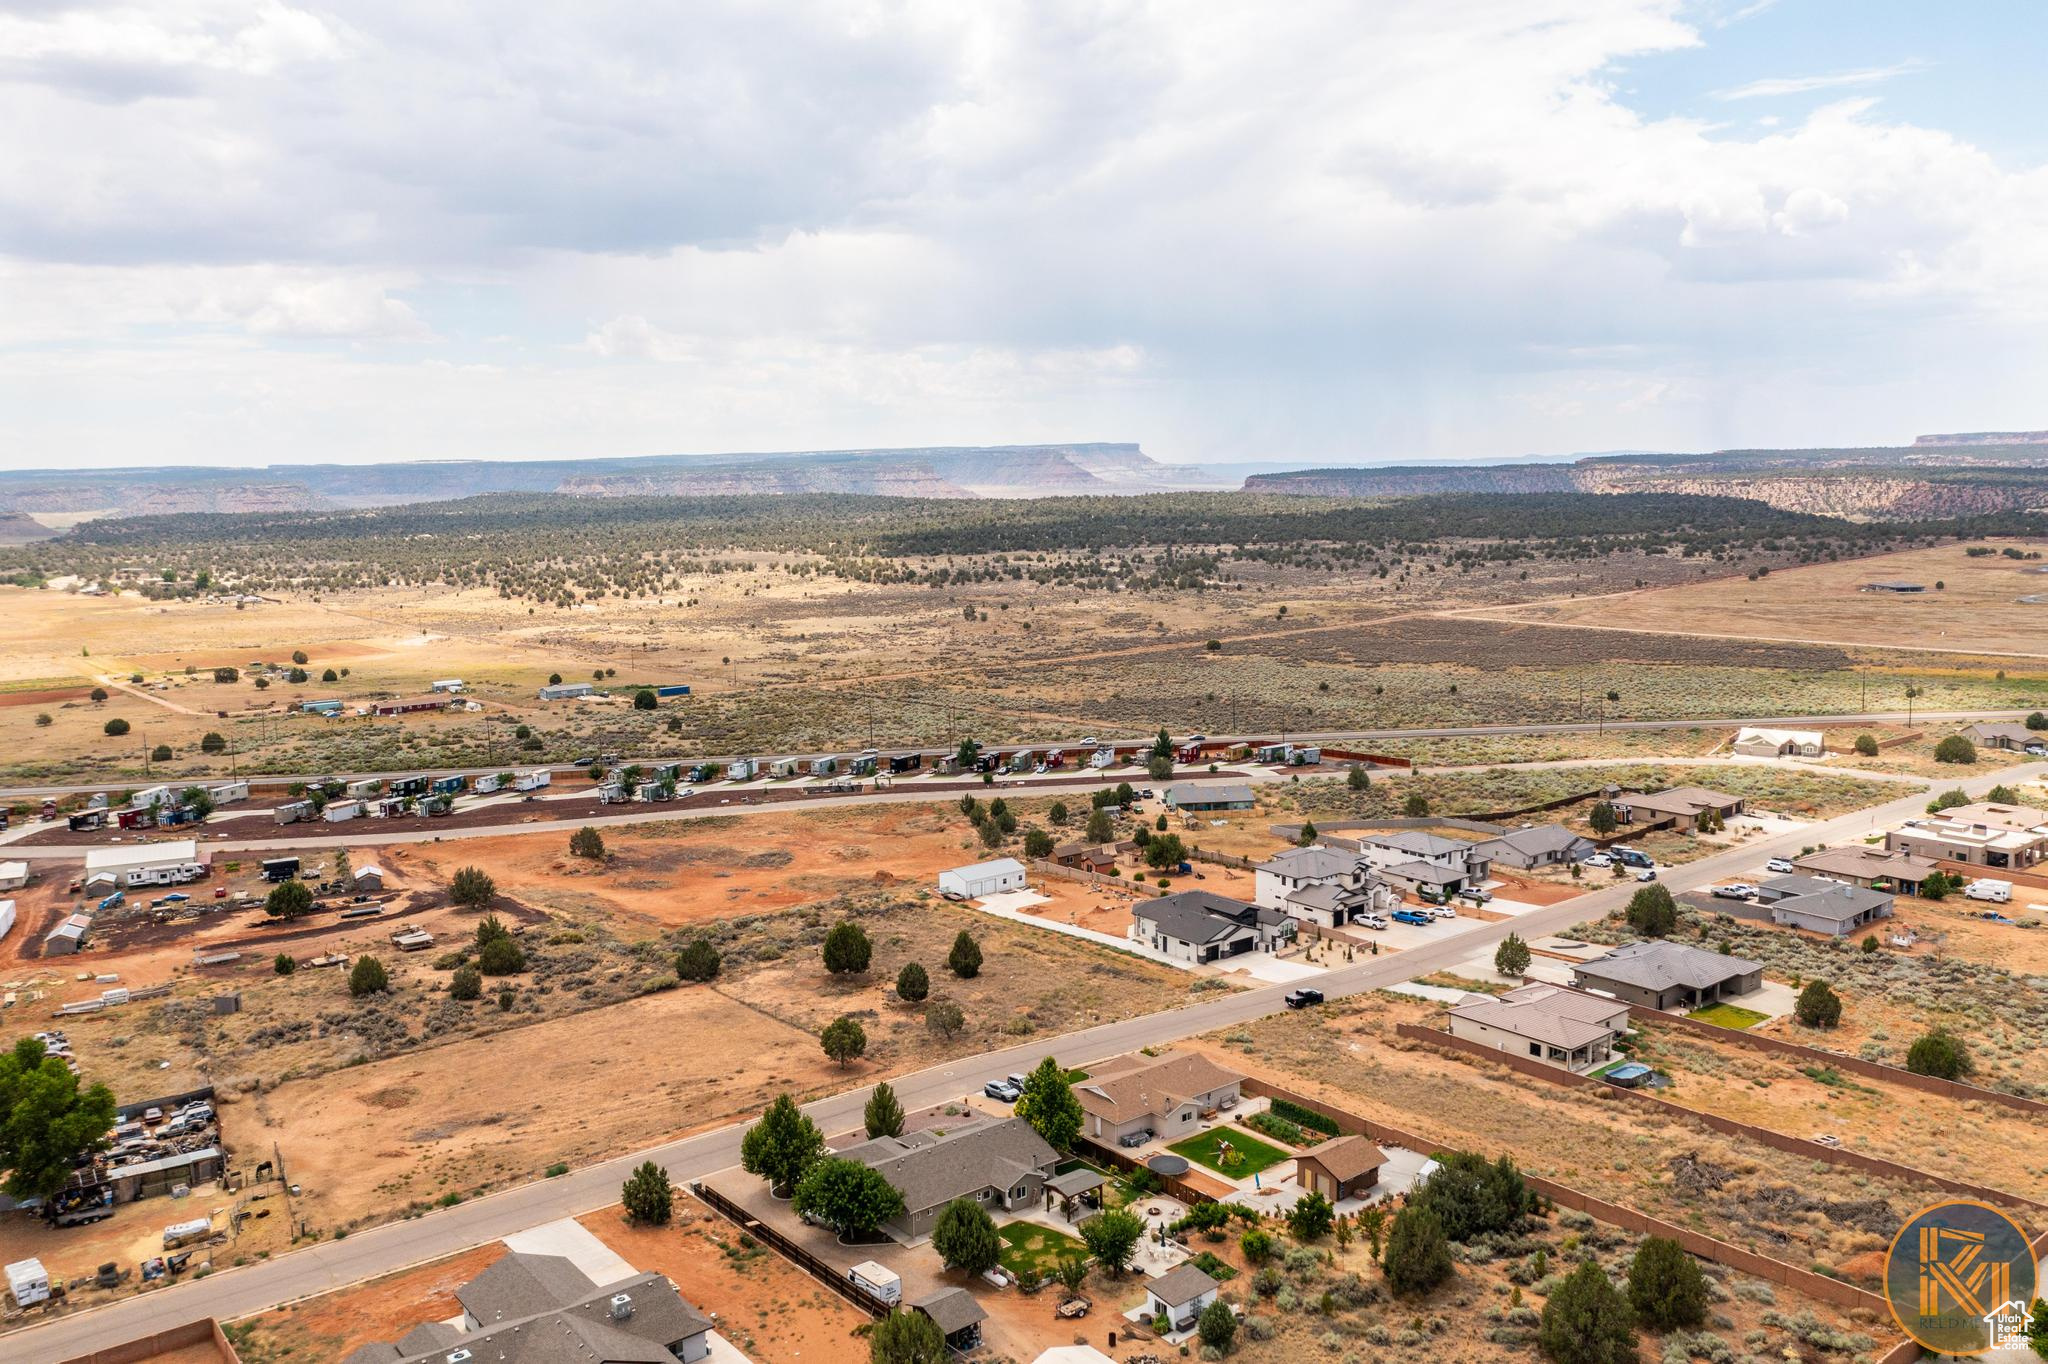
x=742, y=769
x=342, y=810
x=149, y=797
x=326, y=710
x=783, y=767
x=447, y=786
x=87, y=819
x=533, y=781
x=909, y=762
x=1102, y=757
x=228, y=792
x=368, y=786
x=410, y=786
x=672, y=689
x=292, y=811
x=824, y=767
x=136, y=819
x=450, y=685
x=280, y=868
x=487, y=784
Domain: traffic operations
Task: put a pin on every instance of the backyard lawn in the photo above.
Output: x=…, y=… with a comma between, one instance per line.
x=1032, y=1252
x=1729, y=1016
x=1247, y=1155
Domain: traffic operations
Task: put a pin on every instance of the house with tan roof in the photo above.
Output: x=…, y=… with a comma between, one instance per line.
x=1679, y=806
x=1995, y=836
x=1546, y=1023
x=1340, y=1168
x=1164, y=1095
x=1875, y=868
x=2013, y=738
x=1000, y=1163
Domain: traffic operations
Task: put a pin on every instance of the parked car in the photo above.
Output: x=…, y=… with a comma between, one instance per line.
x=1371, y=921
x=1302, y=998
x=1413, y=916
x=1779, y=866
x=1003, y=1091
x=1629, y=857
x=1088, y=742
x=951, y=895
x=1646, y=873
x=1987, y=888
x=1430, y=895
x=1475, y=895
x=1444, y=911
x=1601, y=860
x=1196, y=738
x=1734, y=890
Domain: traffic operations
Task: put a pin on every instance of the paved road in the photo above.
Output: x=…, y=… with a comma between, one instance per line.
x=1312, y=737
x=316, y=1269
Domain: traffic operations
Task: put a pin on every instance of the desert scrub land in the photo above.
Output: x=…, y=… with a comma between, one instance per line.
x=1785, y=1206
x=1890, y=997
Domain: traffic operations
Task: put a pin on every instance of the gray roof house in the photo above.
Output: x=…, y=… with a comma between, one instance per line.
x=2004, y=735
x=1546, y=1022
x=1835, y=910
x=1411, y=859
x=1668, y=975
x=1180, y=1294
x=957, y=1315
x=1202, y=926
x=1191, y=796
x=541, y=1309
x=1320, y=885
x=1000, y=1163
x=1538, y=845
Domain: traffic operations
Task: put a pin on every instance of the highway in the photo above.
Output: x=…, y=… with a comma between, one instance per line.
x=1345, y=736
x=238, y=1292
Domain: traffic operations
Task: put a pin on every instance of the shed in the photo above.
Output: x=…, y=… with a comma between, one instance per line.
x=66, y=938
x=370, y=877
x=1180, y=1294
x=1341, y=1168
x=13, y=875
x=957, y=1315
x=983, y=878
x=28, y=1282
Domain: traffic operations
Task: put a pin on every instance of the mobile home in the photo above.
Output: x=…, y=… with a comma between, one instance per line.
x=824, y=767
x=87, y=819
x=672, y=689
x=280, y=868
x=292, y=811
x=566, y=691
x=742, y=769
x=1270, y=753
x=149, y=797
x=783, y=767
x=1102, y=757
x=909, y=762
x=447, y=786
x=342, y=810
x=534, y=780
x=409, y=786
x=368, y=786
x=228, y=792
x=1055, y=758
x=450, y=685
x=136, y=819
x=488, y=783
x=327, y=709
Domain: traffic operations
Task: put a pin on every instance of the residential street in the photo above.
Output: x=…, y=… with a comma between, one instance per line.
x=238, y=1292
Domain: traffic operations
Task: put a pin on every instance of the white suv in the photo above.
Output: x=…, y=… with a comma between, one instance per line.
x=1371, y=921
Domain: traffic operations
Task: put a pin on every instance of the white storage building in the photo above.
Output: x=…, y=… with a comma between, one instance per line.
x=6, y=917
x=13, y=875
x=141, y=856
x=983, y=878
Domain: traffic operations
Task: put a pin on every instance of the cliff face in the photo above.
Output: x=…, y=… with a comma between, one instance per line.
x=1985, y=438
x=1418, y=482
x=877, y=479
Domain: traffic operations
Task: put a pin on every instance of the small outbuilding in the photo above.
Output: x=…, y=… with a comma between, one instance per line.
x=369, y=878
x=1180, y=1294
x=982, y=878
x=957, y=1315
x=13, y=875
x=1340, y=1168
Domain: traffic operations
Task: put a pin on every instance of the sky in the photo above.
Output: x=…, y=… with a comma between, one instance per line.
x=251, y=232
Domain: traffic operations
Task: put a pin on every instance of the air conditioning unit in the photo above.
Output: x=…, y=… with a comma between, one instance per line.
x=462, y=1356
x=622, y=1306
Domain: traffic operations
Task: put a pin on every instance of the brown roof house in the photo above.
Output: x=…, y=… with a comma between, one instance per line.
x=1000, y=1163
x=1874, y=868
x=1669, y=975
x=2011, y=737
x=1546, y=1023
x=542, y=1309
x=1340, y=1168
x=1163, y=1095
x=1679, y=806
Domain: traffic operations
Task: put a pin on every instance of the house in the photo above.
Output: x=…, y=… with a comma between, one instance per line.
x=1669, y=975
x=1546, y=1022
x=13, y=875
x=982, y=878
x=1000, y=1163
x=147, y=857
x=1679, y=806
x=450, y=685
x=1336, y=906
x=2011, y=737
x=542, y=1309
x=1538, y=845
x=1893, y=585
x=1179, y=1295
x=1200, y=926
x=1872, y=867
x=957, y=1315
x=1095, y=857
x=2000, y=837
x=409, y=705
x=1340, y=1168
x=1752, y=742
x=566, y=691
x=1189, y=796
x=67, y=937
x=1274, y=879
x=1160, y=1094
x=1411, y=860
x=1824, y=906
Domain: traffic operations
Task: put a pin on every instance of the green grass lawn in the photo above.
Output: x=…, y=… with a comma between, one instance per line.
x=1031, y=1252
x=1075, y=1077
x=1729, y=1016
x=1249, y=1155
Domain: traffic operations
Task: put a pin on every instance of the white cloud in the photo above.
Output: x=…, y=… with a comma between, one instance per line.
x=1773, y=87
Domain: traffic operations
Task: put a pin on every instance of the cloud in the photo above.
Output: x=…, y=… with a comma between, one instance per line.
x=1773, y=87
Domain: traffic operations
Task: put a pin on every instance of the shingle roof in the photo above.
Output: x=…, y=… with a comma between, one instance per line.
x=1417, y=842
x=2010, y=732
x=1683, y=801
x=580, y=1328
x=1202, y=916
x=1320, y=897
x=521, y=1284
x=1310, y=863
x=1837, y=903
x=1787, y=886
x=1546, y=1013
x=1346, y=1158
x=1865, y=862
x=931, y=1168
x=1187, y=793
x=951, y=1309
x=1658, y=965
x=1426, y=871
x=1181, y=1284
x=1538, y=839
x=1147, y=1086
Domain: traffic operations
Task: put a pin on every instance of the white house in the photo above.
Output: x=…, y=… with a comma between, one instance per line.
x=142, y=856
x=1753, y=742
x=1286, y=872
x=13, y=875
x=982, y=878
x=1180, y=1294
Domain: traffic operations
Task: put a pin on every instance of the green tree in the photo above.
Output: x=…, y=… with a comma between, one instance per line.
x=1158, y=768
x=847, y=950
x=648, y=1196
x=912, y=984
x=699, y=961
x=2037, y=721
x=1166, y=850
x=991, y=833
x=1101, y=829
x=1948, y=800
x=288, y=899
x=501, y=957
x=1866, y=744
x=1058, y=814
x=883, y=1115
x=905, y=1337
x=1587, y=1321
x=299, y=657
x=1258, y=1246
x=472, y=888
x=115, y=727
x=847, y=1196
x=1217, y=1326
x=554, y=679
x=782, y=1146
x=284, y=963
x=1511, y=958
x=1049, y=1105
x=46, y=1120
x=1358, y=779
x=466, y=983
x=1940, y=1053
x=1818, y=1006
x=2002, y=794
x=1473, y=1196
x=1665, y=1286
x=368, y=977
x=213, y=743
x=1603, y=819
x=1037, y=843
x=965, y=1238
x=964, y=960
x=1311, y=1217
x=1955, y=749
x=644, y=699
x=1112, y=1238
x=1416, y=806
x=1936, y=885
x=844, y=1039
x=1418, y=1254
x=587, y=843
x=945, y=1019
x=1652, y=912
x=1307, y=837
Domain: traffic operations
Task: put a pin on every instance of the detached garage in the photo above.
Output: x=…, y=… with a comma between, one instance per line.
x=983, y=878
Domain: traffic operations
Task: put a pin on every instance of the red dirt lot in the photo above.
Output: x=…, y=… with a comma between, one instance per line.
x=330, y=1326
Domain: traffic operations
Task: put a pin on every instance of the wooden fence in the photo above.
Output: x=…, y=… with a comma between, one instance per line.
x=824, y=1272
x=1086, y=877
x=1525, y=1065
x=1117, y=1159
x=1221, y=859
x=203, y=1332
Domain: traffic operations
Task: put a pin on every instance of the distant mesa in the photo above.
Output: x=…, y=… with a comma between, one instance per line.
x=1985, y=438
